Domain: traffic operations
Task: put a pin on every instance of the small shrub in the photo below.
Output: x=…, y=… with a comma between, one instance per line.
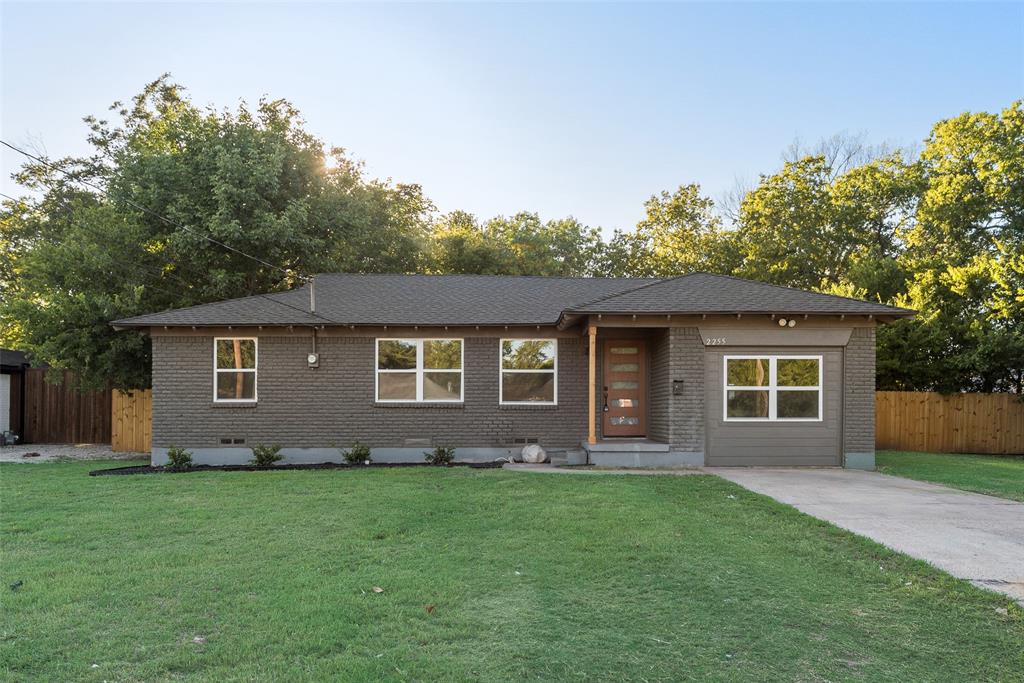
x=265, y=456
x=442, y=455
x=359, y=454
x=178, y=459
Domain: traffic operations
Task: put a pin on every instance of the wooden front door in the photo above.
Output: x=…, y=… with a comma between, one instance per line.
x=625, y=388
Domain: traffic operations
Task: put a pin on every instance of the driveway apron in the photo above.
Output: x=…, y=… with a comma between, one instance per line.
x=972, y=536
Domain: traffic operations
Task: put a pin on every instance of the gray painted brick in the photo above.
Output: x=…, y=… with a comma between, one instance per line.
x=859, y=392
x=334, y=404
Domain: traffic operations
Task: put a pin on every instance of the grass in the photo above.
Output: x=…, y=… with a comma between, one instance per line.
x=486, y=575
x=1001, y=476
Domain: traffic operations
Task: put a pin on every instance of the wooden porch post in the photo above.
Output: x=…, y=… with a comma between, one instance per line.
x=592, y=422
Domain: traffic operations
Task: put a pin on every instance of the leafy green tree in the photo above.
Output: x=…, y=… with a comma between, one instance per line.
x=459, y=245
x=808, y=226
x=521, y=244
x=964, y=251
x=251, y=179
x=680, y=233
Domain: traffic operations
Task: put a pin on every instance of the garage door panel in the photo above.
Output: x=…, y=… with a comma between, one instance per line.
x=777, y=442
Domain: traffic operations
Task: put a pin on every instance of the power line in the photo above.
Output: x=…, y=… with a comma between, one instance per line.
x=13, y=199
x=103, y=191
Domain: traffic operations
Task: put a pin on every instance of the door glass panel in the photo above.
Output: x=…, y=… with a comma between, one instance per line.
x=623, y=350
x=625, y=385
x=625, y=367
x=625, y=403
x=747, y=404
x=624, y=420
x=793, y=404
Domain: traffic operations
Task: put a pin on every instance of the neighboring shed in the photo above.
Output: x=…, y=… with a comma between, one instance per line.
x=13, y=365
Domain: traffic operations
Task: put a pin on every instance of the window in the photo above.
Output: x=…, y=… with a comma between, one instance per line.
x=772, y=388
x=419, y=370
x=529, y=371
x=234, y=369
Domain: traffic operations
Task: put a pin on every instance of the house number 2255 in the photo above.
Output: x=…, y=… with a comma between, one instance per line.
x=714, y=341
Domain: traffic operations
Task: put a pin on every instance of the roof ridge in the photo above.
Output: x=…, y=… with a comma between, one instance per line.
x=211, y=303
x=471, y=275
x=797, y=289
x=658, y=281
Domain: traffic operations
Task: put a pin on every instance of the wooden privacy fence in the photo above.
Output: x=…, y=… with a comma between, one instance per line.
x=59, y=413
x=957, y=423
x=131, y=420
x=904, y=420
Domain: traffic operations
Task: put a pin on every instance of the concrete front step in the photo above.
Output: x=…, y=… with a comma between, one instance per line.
x=638, y=446
x=639, y=453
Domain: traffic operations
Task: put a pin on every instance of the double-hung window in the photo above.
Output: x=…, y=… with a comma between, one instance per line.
x=529, y=371
x=234, y=369
x=772, y=388
x=419, y=370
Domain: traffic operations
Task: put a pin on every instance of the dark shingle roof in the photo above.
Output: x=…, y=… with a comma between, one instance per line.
x=708, y=293
x=501, y=300
x=403, y=300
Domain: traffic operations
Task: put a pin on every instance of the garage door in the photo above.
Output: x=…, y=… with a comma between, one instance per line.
x=773, y=407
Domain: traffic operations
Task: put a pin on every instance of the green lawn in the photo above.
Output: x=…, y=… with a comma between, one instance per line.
x=1001, y=476
x=487, y=575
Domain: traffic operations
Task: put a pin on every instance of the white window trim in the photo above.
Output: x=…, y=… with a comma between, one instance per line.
x=772, y=388
x=502, y=370
x=419, y=370
x=255, y=375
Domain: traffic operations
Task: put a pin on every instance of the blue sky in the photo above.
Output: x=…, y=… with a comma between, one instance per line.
x=565, y=109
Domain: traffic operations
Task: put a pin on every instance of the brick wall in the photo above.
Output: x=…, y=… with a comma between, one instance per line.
x=859, y=392
x=334, y=404
x=659, y=413
x=687, y=410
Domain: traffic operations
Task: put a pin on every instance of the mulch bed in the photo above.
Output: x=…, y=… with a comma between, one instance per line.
x=159, y=469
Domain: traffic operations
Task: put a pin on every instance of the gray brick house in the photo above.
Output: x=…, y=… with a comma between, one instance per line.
x=693, y=370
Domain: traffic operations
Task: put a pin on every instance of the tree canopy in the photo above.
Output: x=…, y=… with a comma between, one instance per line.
x=156, y=216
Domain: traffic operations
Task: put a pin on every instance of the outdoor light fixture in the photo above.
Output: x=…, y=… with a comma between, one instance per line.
x=782, y=322
x=791, y=323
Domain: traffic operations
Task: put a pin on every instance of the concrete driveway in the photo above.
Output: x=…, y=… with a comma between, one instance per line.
x=971, y=536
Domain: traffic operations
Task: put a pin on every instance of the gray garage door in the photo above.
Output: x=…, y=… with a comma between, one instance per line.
x=771, y=413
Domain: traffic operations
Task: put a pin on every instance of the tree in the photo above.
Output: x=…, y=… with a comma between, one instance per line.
x=253, y=180
x=458, y=245
x=680, y=233
x=964, y=251
x=807, y=226
x=521, y=244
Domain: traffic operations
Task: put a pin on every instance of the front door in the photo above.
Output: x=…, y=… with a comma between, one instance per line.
x=625, y=388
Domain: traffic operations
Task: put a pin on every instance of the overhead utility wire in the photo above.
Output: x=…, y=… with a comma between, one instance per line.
x=149, y=211
x=103, y=191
